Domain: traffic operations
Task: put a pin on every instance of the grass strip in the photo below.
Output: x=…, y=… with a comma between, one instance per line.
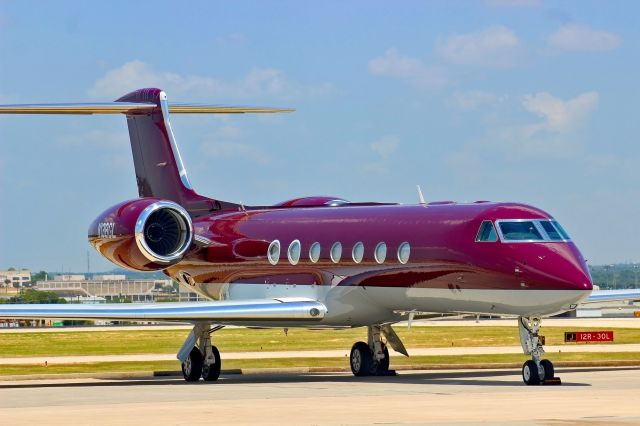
x=247, y=340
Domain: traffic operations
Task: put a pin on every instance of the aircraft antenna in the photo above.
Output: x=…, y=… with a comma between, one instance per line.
x=420, y=196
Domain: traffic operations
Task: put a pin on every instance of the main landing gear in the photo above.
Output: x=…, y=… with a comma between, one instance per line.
x=372, y=358
x=201, y=360
x=536, y=371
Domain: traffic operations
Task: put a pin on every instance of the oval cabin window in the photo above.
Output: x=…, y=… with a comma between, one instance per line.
x=336, y=252
x=314, y=252
x=293, y=253
x=358, y=252
x=380, y=252
x=404, y=252
x=273, y=252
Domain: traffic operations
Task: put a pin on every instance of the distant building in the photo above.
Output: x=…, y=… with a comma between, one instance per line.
x=109, y=277
x=15, y=279
x=95, y=300
x=113, y=288
x=76, y=277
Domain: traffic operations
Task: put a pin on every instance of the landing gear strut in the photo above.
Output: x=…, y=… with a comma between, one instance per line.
x=203, y=359
x=536, y=371
x=372, y=358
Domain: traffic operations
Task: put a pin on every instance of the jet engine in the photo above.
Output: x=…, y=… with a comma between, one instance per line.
x=146, y=234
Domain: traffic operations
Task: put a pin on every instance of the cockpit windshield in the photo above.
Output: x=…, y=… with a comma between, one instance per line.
x=552, y=232
x=519, y=231
x=522, y=230
x=561, y=230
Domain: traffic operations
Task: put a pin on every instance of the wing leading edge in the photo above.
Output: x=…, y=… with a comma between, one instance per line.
x=132, y=108
x=272, y=310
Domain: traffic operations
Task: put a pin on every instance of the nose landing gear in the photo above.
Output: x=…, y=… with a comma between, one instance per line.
x=536, y=371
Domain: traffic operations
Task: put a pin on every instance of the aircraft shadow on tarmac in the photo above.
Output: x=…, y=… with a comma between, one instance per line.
x=455, y=378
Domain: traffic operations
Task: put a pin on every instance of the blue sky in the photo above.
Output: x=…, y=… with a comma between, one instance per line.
x=506, y=100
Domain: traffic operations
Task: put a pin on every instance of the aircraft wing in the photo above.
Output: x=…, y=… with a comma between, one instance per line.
x=613, y=295
x=272, y=310
x=131, y=107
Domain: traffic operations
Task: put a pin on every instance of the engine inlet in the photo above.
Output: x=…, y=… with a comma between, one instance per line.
x=164, y=232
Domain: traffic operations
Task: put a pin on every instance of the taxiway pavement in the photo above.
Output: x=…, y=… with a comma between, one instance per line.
x=607, y=396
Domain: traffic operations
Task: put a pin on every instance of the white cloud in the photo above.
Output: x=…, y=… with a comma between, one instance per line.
x=582, y=38
x=386, y=146
x=412, y=70
x=257, y=83
x=514, y=3
x=494, y=47
x=559, y=116
x=512, y=134
x=558, y=135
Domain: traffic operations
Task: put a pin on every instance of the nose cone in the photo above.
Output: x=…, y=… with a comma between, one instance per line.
x=564, y=265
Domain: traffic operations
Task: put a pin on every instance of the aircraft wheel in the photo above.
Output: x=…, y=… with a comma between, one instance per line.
x=211, y=372
x=382, y=366
x=192, y=366
x=530, y=374
x=361, y=359
x=549, y=372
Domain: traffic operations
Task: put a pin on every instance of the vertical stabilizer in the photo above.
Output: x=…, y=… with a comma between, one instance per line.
x=160, y=171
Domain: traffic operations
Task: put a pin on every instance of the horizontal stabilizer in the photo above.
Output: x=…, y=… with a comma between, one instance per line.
x=598, y=296
x=131, y=108
x=222, y=312
x=221, y=109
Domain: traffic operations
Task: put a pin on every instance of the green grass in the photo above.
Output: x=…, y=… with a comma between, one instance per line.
x=396, y=361
x=120, y=342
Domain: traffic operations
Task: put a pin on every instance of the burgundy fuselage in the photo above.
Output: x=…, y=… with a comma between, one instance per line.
x=444, y=251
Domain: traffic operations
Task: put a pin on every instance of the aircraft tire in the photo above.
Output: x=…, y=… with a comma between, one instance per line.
x=530, y=374
x=192, y=366
x=361, y=359
x=211, y=372
x=549, y=372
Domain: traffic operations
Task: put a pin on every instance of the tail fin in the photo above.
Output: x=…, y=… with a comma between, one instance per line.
x=159, y=169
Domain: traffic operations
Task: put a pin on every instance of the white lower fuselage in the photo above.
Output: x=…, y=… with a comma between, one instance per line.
x=357, y=306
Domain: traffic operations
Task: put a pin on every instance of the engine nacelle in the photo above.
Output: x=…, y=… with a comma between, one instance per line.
x=146, y=234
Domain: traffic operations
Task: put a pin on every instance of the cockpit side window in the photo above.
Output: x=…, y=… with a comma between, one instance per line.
x=487, y=232
x=523, y=230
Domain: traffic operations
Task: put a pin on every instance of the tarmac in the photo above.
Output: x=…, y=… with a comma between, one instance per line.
x=587, y=396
